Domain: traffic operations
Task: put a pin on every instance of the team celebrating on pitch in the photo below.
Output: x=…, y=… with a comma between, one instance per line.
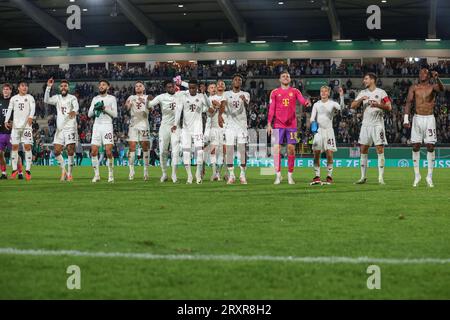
x=226, y=126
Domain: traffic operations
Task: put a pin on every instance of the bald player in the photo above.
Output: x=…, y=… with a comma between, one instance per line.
x=423, y=128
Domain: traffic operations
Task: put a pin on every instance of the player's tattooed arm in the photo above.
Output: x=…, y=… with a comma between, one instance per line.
x=223, y=105
x=128, y=103
x=215, y=105
x=47, y=98
x=244, y=99
x=438, y=86
x=357, y=102
x=407, y=109
x=385, y=104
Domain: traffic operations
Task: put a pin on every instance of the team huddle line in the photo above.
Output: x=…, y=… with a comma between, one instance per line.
x=226, y=126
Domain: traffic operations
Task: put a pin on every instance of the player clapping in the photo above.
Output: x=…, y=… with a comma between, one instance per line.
x=282, y=111
x=236, y=133
x=324, y=140
x=216, y=131
x=375, y=102
x=192, y=106
x=423, y=123
x=104, y=110
x=139, y=130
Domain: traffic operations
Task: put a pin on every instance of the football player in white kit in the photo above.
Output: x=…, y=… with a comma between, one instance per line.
x=423, y=123
x=324, y=140
x=216, y=132
x=139, y=130
x=192, y=105
x=168, y=102
x=375, y=102
x=66, y=125
x=23, y=106
x=236, y=132
x=104, y=109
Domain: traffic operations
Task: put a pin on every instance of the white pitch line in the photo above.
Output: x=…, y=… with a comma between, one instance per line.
x=227, y=258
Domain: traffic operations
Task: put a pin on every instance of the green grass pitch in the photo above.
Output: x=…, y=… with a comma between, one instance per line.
x=258, y=219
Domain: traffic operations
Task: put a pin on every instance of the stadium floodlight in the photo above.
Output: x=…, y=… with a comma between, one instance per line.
x=180, y=6
x=299, y=41
x=215, y=42
x=132, y=45
x=53, y=47
x=92, y=46
x=15, y=49
x=258, y=41
x=344, y=40
x=173, y=44
x=388, y=40
x=432, y=40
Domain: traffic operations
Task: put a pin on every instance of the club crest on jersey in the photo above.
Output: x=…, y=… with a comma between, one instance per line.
x=196, y=100
x=376, y=97
x=26, y=100
x=291, y=94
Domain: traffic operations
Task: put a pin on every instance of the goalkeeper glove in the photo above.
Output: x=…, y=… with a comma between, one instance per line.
x=314, y=127
x=98, y=108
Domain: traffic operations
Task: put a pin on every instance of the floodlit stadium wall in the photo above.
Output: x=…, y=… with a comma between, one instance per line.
x=235, y=51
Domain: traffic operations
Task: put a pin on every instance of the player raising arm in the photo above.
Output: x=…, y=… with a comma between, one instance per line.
x=375, y=102
x=324, y=140
x=66, y=125
x=423, y=123
x=104, y=109
x=282, y=112
x=23, y=106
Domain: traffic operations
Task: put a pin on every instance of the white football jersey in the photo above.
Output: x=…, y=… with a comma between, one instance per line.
x=168, y=103
x=192, y=108
x=23, y=107
x=235, y=109
x=324, y=112
x=106, y=117
x=64, y=106
x=373, y=116
x=215, y=117
x=139, y=112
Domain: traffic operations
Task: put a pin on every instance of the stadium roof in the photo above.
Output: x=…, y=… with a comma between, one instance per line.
x=41, y=23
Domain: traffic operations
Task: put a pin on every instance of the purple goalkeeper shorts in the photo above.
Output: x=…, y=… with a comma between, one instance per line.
x=285, y=135
x=5, y=141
